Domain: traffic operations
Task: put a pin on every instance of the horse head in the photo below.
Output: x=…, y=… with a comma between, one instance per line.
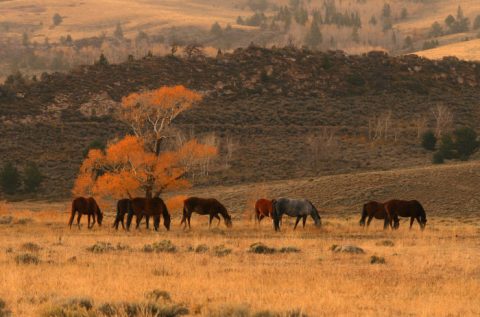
x=166, y=220
x=228, y=219
x=99, y=216
x=315, y=215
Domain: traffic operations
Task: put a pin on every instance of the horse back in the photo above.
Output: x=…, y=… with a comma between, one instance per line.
x=204, y=205
x=80, y=204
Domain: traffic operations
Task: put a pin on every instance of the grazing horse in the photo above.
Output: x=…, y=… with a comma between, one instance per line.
x=148, y=207
x=204, y=206
x=123, y=207
x=406, y=208
x=374, y=209
x=263, y=208
x=87, y=206
x=299, y=208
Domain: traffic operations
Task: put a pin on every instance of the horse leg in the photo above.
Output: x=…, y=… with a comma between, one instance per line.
x=70, y=221
x=260, y=217
x=412, y=219
x=296, y=222
x=88, y=226
x=419, y=223
x=188, y=219
x=139, y=219
x=386, y=222
x=94, y=220
x=156, y=222
x=304, y=221
x=218, y=223
x=369, y=220
x=78, y=219
x=210, y=221
x=147, y=219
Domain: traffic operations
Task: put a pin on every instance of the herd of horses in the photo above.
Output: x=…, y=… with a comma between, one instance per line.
x=156, y=208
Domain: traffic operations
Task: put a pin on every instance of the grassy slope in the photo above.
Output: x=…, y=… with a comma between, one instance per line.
x=469, y=50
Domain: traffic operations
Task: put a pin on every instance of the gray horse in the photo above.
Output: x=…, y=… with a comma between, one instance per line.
x=299, y=208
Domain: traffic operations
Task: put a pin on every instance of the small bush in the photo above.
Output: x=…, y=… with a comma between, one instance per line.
x=9, y=179
x=438, y=158
x=32, y=178
x=122, y=247
x=4, y=312
x=429, y=141
x=289, y=250
x=385, y=243
x=162, y=246
x=202, y=248
x=24, y=221
x=157, y=294
x=101, y=247
x=6, y=220
x=377, y=260
x=57, y=19
x=466, y=142
x=27, y=258
x=221, y=250
x=261, y=248
x=31, y=247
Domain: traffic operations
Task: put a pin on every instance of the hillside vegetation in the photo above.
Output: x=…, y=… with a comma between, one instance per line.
x=276, y=114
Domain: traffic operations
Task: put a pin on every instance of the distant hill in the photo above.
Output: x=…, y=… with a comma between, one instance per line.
x=269, y=102
x=467, y=50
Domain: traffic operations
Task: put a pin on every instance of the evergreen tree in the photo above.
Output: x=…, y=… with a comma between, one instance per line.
x=9, y=179
x=216, y=30
x=118, y=33
x=314, y=36
x=33, y=178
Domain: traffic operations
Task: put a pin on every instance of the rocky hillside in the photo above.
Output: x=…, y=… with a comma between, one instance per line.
x=268, y=101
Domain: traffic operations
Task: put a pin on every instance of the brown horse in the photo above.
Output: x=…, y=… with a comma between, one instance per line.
x=151, y=207
x=123, y=207
x=374, y=209
x=263, y=208
x=87, y=206
x=406, y=208
x=202, y=206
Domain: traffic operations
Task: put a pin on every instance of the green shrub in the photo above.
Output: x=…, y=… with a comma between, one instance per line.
x=101, y=247
x=4, y=312
x=32, y=178
x=377, y=260
x=465, y=143
x=201, y=248
x=289, y=250
x=261, y=248
x=221, y=250
x=429, y=140
x=9, y=178
x=27, y=258
x=447, y=147
x=31, y=247
x=438, y=158
x=162, y=246
x=157, y=294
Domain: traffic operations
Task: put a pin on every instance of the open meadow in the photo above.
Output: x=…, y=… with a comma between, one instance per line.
x=217, y=272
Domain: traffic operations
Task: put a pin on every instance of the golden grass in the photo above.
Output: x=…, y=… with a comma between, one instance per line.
x=430, y=273
x=469, y=50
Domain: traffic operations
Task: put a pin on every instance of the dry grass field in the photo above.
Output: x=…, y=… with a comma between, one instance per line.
x=469, y=51
x=430, y=273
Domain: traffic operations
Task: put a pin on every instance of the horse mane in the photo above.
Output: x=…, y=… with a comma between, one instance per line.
x=315, y=209
x=420, y=207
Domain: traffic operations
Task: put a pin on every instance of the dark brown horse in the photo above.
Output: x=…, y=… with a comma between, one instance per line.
x=148, y=207
x=263, y=208
x=406, y=208
x=374, y=209
x=202, y=206
x=123, y=207
x=85, y=206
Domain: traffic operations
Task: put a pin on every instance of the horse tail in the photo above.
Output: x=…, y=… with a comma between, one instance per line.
x=72, y=215
x=185, y=212
x=364, y=215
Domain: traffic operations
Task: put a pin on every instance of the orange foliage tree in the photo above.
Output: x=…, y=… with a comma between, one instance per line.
x=137, y=163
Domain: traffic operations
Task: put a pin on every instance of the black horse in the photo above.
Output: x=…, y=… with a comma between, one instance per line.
x=123, y=207
x=204, y=206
